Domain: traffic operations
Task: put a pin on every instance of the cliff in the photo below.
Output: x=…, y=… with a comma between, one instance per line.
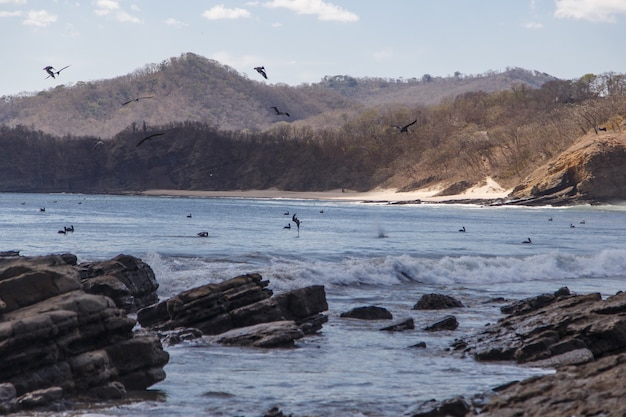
x=591, y=170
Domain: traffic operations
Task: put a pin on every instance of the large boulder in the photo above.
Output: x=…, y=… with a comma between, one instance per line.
x=240, y=302
x=58, y=342
x=127, y=280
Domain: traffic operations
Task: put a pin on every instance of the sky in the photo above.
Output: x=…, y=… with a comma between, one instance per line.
x=301, y=41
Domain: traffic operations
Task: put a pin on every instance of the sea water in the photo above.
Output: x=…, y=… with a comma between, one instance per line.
x=364, y=254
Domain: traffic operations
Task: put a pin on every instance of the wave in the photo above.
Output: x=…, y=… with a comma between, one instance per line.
x=176, y=274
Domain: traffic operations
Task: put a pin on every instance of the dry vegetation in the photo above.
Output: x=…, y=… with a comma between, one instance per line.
x=336, y=142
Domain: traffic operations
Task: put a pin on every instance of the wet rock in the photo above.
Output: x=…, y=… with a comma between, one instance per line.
x=455, y=407
x=447, y=323
x=264, y=335
x=58, y=342
x=408, y=324
x=368, y=313
x=127, y=280
x=437, y=302
x=566, y=324
x=239, y=302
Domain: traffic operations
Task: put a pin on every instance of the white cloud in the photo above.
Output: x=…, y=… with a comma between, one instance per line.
x=532, y=25
x=221, y=12
x=10, y=14
x=320, y=8
x=12, y=1
x=112, y=8
x=39, y=18
x=592, y=10
x=175, y=23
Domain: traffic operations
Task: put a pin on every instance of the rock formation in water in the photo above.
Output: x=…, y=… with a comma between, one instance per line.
x=582, y=336
x=245, y=304
x=59, y=342
x=591, y=170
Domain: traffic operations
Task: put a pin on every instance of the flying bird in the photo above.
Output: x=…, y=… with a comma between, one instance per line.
x=136, y=99
x=261, y=70
x=50, y=70
x=98, y=143
x=297, y=222
x=278, y=112
x=149, y=137
x=405, y=129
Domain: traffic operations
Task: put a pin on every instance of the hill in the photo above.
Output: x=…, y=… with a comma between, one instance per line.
x=195, y=89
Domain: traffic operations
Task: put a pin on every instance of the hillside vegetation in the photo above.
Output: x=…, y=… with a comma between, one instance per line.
x=456, y=142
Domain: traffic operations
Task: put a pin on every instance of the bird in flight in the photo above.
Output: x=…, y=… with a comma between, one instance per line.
x=278, y=112
x=297, y=222
x=149, y=137
x=261, y=70
x=50, y=70
x=136, y=99
x=405, y=129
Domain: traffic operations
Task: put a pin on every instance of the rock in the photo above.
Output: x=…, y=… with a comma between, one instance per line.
x=401, y=326
x=590, y=170
x=455, y=407
x=437, y=302
x=447, y=323
x=368, y=313
x=8, y=398
x=593, y=389
x=576, y=323
x=58, y=342
x=534, y=303
x=127, y=280
x=264, y=335
x=421, y=345
x=239, y=302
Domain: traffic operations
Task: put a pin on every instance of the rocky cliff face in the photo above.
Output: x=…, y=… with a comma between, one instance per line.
x=591, y=170
x=57, y=341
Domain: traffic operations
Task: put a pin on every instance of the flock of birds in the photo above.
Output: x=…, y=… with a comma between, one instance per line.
x=529, y=240
x=52, y=72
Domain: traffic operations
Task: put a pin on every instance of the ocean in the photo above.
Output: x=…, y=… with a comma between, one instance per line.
x=364, y=254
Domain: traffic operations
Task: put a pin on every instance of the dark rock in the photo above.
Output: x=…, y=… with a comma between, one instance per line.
x=407, y=324
x=421, y=345
x=8, y=398
x=455, y=407
x=59, y=342
x=239, y=302
x=264, y=335
x=128, y=280
x=447, y=323
x=534, y=303
x=436, y=302
x=575, y=323
x=368, y=313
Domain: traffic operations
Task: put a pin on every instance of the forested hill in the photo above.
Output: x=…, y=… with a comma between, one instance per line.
x=191, y=88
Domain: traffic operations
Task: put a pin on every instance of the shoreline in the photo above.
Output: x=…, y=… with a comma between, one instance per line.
x=487, y=192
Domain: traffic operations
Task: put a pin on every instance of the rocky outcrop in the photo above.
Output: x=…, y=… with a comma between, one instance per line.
x=582, y=336
x=126, y=279
x=591, y=170
x=569, y=328
x=58, y=341
x=240, y=303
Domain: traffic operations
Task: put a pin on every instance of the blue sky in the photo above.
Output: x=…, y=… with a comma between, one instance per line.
x=301, y=41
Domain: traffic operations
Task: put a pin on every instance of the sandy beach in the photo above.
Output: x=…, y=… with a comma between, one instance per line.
x=489, y=190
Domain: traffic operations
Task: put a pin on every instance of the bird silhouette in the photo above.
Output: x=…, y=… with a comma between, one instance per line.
x=149, y=137
x=278, y=112
x=405, y=129
x=462, y=229
x=50, y=70
x=261, y=70
x=527, y=240
x=136, y=99
x=98, y=143
x=297, y=222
